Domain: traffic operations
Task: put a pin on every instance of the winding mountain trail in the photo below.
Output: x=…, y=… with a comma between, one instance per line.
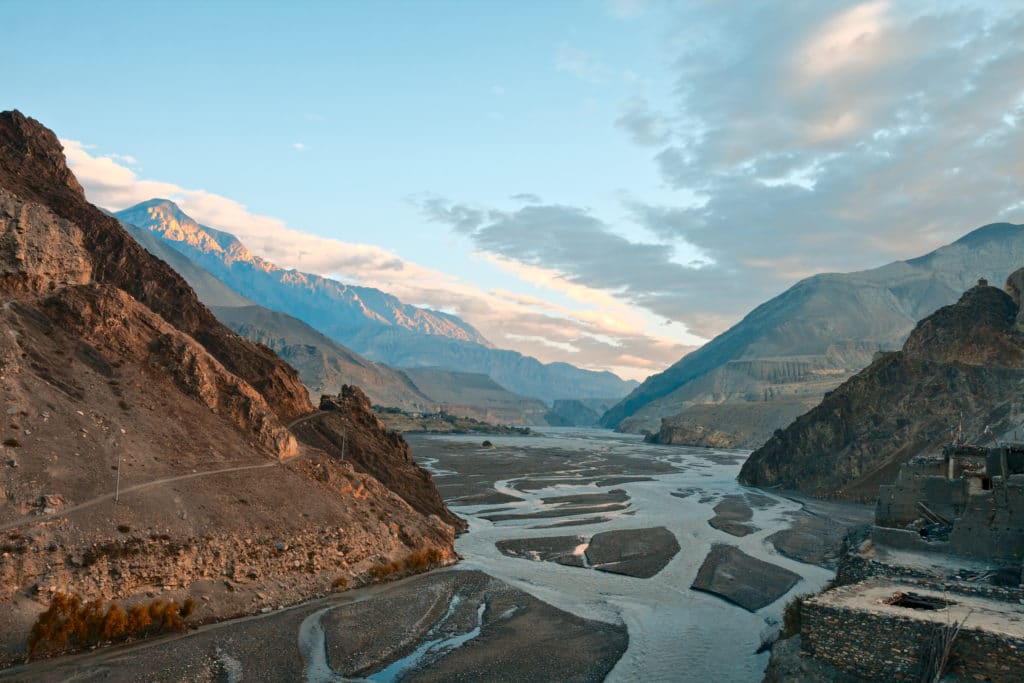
x=107, y=496
x=157, y=482
x=305, y=418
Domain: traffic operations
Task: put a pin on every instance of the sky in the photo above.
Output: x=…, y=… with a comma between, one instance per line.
x=609, y=184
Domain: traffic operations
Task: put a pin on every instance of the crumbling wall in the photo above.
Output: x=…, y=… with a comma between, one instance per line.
x=891, y=647
x=992, y=526
x=898, y=503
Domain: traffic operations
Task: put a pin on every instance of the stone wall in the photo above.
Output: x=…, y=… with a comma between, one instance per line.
x=890, y=647
x=854, y=568
x=898, y=503
x=992, y=526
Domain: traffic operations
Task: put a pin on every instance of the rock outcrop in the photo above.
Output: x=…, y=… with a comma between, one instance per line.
x=808, y=340
x=963, y=362
x=347, y=426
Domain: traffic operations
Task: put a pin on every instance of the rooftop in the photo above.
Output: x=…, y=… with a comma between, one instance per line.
x=874, y=596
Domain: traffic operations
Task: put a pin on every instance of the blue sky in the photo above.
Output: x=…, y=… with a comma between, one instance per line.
x=744, y=136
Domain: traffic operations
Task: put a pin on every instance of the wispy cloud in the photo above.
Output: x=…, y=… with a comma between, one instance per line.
x=571, y=250
x=299, y=146
x=581, y=64
x=627, y=9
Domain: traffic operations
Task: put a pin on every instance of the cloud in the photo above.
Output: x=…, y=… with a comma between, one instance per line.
x=526, y=198
x=801, y=138
x=600, y=333
x=298, y=146
x=565, y=247
x=463, y=219
x=627, y=9
x=581, y=64
x=124, y=159
x=643, y=125
x=842, y=138
x=810, y=137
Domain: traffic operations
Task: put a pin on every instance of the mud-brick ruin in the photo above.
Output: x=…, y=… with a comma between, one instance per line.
x=969, y=502
x=936, y=582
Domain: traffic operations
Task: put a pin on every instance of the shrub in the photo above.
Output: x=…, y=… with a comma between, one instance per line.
x=416, y=561
x=792, y=617
x=68, y=624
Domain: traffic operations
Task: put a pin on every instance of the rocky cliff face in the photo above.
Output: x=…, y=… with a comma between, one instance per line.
x=368, y=321
x=735, y=425
x=324, y=365
x=112, y=373
x=33, y=168
x=811, y=338
x=346, y=426
x=966, y=359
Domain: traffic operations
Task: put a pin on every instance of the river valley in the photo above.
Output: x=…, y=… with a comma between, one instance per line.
x=578, y=564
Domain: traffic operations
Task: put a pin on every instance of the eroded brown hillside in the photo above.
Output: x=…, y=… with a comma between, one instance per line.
x=115, y=377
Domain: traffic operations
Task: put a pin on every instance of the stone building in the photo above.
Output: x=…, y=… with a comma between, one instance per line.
x=968, y=502
x=940, y=566
x=886, y=629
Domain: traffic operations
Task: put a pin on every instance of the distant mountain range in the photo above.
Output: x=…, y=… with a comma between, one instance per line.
x=325, y=366
x=365, y=320
x=787, y=353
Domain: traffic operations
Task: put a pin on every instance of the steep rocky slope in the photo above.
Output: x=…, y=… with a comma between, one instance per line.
x=347, y=426
x=113, y=374
x=366, y=320
x=211, y=291
x=34, y=172
x=963, y=360
x=324, y=365
x=812, y=337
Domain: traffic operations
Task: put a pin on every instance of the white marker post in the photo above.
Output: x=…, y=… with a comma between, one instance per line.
x=117, y=483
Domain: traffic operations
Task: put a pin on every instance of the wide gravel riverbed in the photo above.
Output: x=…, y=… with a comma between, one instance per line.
x=548, y=485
